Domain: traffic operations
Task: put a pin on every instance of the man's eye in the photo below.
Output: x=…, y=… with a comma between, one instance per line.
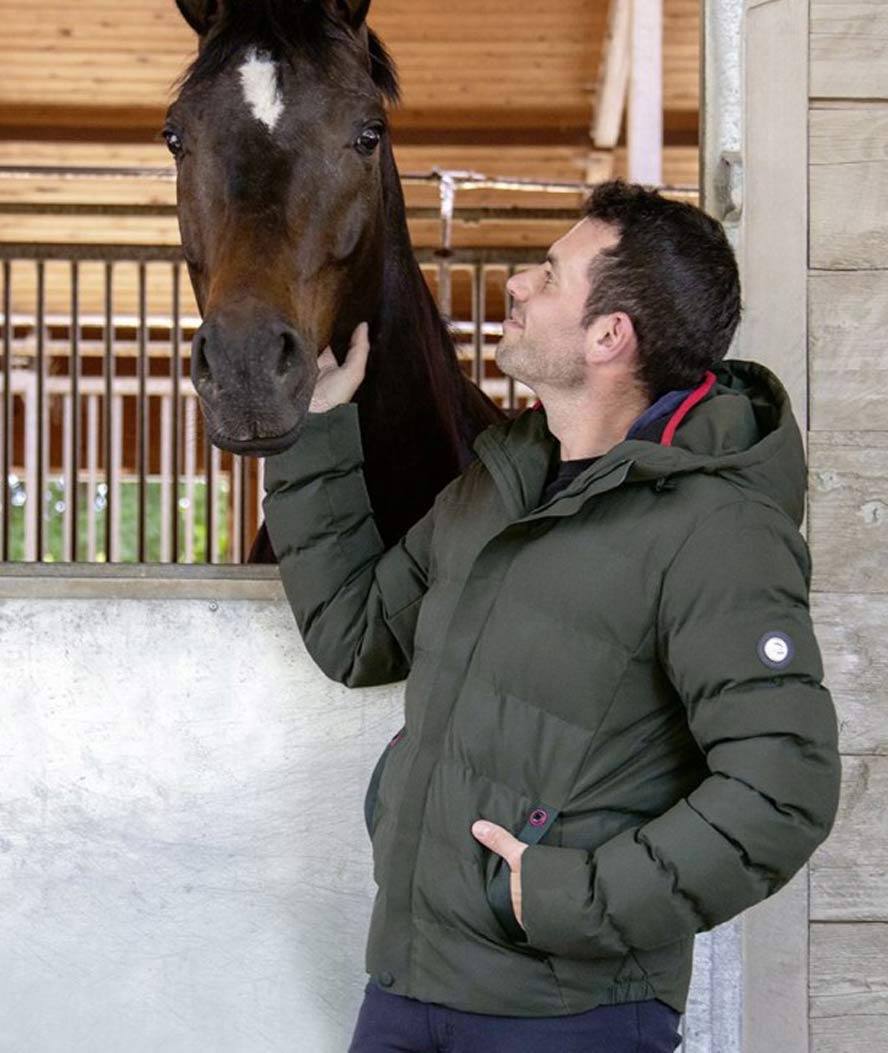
x=173, y=141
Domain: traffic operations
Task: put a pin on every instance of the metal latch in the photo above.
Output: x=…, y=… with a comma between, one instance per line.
x=728, y=186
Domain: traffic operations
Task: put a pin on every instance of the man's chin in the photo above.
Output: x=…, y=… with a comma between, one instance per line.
x=505, y=359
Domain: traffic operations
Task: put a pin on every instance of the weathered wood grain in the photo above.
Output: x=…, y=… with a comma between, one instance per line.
x=849, y=49
x=849, y=1034
x=849, y=975
x=849, y=188
x=848, y=511
x=849, y=871
x=851, y=633
x=773, y=230
x=848, y=349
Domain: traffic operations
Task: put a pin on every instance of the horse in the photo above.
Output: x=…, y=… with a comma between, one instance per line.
x=294, y=230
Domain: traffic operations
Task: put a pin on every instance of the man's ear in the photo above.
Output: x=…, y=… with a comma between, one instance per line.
x=200, y=14
x=610, y=335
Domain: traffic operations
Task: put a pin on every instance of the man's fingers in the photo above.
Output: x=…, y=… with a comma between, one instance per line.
x=358, y=348
x=326, y=359
x=337, y=384
x=499, y=840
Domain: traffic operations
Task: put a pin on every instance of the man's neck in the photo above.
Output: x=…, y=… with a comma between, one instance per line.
x=587, y=424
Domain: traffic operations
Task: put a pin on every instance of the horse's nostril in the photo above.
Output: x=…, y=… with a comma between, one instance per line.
x=288, y=357
x=201, y=370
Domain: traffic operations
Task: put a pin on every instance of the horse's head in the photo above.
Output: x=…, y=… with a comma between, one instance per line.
x=279, y=134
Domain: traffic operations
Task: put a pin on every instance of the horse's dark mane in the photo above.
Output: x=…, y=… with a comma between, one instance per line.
x=289, y=30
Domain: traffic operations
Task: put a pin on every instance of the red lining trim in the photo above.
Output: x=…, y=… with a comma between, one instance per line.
x=697, y=395
x=537, y=405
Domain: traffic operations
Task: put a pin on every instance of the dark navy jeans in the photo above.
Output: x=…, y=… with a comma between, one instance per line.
x=390, y=1023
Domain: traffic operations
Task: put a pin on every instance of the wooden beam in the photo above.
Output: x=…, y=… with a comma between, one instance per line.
x=613, y=77
x=646, y=93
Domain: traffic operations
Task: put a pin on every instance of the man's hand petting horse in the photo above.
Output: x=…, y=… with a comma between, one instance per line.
x=337, y=384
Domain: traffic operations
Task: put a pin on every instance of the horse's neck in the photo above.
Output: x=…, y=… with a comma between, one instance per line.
x=417, y=351
x=419, y=412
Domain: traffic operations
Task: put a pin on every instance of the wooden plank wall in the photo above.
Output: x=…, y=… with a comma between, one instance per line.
x=848, y=514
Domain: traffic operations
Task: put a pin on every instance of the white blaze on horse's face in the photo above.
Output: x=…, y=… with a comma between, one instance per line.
x=260, y=83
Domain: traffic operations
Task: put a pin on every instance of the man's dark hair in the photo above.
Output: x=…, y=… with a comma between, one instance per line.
x=674, y=273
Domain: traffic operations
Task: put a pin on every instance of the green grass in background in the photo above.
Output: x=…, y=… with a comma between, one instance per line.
x=54, y=519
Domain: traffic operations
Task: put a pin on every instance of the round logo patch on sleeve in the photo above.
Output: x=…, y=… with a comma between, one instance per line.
x=776, y=650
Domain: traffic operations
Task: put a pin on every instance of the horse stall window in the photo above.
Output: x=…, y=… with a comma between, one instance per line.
x=104, y=453
x=105, y=456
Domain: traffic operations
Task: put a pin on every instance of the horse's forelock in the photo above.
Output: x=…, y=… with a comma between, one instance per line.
x=287, y=30
x=383, y=69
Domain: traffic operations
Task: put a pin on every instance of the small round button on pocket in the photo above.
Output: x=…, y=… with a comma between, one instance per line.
x=386, y=979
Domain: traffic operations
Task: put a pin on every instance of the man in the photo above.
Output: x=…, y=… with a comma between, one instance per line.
x=616, y=734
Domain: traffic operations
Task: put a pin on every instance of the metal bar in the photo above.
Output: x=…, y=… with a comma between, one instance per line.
x=71, y=498
x=161, y=254
x=190, y=456
x=92, y=469
x=447, y=202
x=85, y=172
x=6, y=495
x=156, y=387
x=491, y=256
x=32, y=433
x=142, y=414
x=460, y=180
x=237, y=507
x=214, y=540
x=109, y=406
x=42, y=421
x=78, y=208
x=84, y=251
x=116, y=472
x=479, y=316
x=67, y=464
x=463, y=214
x=209, y=496
x=260, y=490
x=176, y=372
x=166, y=474
x=511, y=380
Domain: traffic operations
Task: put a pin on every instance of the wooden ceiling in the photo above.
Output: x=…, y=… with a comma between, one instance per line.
x=470, y=69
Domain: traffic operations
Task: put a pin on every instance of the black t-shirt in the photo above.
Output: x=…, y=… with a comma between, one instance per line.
x=562, y=473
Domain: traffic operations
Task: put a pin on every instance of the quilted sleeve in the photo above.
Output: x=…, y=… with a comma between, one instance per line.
x=355, y=603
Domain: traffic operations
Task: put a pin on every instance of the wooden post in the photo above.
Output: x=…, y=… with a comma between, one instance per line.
x=645, y=130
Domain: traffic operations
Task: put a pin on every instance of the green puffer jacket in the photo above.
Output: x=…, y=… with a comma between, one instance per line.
x=625, y=677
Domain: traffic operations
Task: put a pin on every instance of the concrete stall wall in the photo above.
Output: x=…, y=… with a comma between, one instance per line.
x=848, y=510
x=183, y=861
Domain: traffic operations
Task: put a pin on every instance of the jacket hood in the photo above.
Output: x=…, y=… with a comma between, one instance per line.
x=743, y=429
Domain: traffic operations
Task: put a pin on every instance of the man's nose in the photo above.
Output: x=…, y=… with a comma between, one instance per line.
x=518, y=286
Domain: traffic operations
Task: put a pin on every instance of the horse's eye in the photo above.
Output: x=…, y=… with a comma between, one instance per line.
x=173, y=141
x=369, y=139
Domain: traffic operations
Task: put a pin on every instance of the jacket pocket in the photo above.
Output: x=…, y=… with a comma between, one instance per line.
x=372, y=795
x=499, y=888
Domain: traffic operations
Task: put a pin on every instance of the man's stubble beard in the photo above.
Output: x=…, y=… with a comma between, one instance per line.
x=527, y=362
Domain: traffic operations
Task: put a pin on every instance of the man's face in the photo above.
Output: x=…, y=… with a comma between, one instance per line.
x=543, y=339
